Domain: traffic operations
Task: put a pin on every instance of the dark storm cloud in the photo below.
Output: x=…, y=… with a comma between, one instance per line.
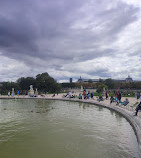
x=34, y=28
x=26, y=24
x=47, y=33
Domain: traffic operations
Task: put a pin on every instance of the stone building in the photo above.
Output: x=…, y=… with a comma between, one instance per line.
x=128, y=79
x=80, y=80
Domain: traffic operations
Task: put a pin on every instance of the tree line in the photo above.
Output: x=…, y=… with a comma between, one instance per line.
x=43, y=82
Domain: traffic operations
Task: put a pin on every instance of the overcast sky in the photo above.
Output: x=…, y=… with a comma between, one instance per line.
x=70, y=38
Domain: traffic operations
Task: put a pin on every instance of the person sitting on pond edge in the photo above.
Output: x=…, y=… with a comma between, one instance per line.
x=125, y=102
x=112, y=99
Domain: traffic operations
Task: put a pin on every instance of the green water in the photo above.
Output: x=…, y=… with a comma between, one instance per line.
x=57, y=129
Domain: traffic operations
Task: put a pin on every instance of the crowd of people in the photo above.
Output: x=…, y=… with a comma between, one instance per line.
x=118, y=101
x=116, y=98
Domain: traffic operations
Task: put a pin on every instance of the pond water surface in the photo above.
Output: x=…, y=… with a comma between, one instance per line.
x=62, y=129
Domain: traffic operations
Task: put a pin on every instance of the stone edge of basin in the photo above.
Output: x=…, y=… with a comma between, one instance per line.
x=134, y=121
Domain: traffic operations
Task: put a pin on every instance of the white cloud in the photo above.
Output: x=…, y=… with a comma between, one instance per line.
x=136, y=3
x=11, y=69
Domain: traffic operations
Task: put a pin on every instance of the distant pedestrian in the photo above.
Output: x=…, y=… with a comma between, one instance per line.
x=107, y=95
x=8, y=93
x=116, y=97
x=84, y=92
x=80, y=96
x=138, y=95
x=92, y=95
x=88, y=95
x=18, y=93
x=119, y=97
x=85, y=96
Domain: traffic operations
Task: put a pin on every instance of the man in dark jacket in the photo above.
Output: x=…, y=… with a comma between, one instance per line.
x=138, y=108
x=119, y=97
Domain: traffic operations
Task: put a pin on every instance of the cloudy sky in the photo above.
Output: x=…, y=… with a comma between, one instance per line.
x=70, y=38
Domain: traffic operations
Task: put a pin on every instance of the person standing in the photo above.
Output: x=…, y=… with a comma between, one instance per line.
x=138, y=95
x=119, y=97
x=92, y=95
x=116, y=97
x=107, y=95
x=18, y=93
x=138, y=108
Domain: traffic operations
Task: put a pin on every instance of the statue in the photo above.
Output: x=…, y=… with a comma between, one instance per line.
x=81, y=88
x=104, y=91
x=12, y=93
x=31, y=91
x=36, y=93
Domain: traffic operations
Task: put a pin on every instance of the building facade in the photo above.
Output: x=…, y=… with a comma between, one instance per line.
x=80, y=80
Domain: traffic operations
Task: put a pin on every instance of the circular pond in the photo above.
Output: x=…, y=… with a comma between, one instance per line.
x=62, y=129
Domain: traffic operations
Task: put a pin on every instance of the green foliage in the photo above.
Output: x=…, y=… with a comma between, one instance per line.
x=68, y=85
x=24, y=83
x=100, y=80
x=43, y=82
x=128, y=95
x=128, y=85
x=7, y=86
x=90, y=81
x=96, y=94
x=46, y=83
x=110, y=83
x=101, y=87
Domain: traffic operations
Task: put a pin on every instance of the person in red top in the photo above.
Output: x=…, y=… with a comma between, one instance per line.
x=116, y=97
x=84, y=92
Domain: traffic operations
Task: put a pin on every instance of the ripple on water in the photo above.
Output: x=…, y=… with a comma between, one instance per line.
x=63, y=129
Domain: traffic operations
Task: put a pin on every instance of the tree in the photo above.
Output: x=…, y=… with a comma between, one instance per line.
x=46, y=83
x=110, y=83
x=7, y=86
x=24, y=83
x=100, y=80
x=68, y=85
x=90, y=81
x=101, y=87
